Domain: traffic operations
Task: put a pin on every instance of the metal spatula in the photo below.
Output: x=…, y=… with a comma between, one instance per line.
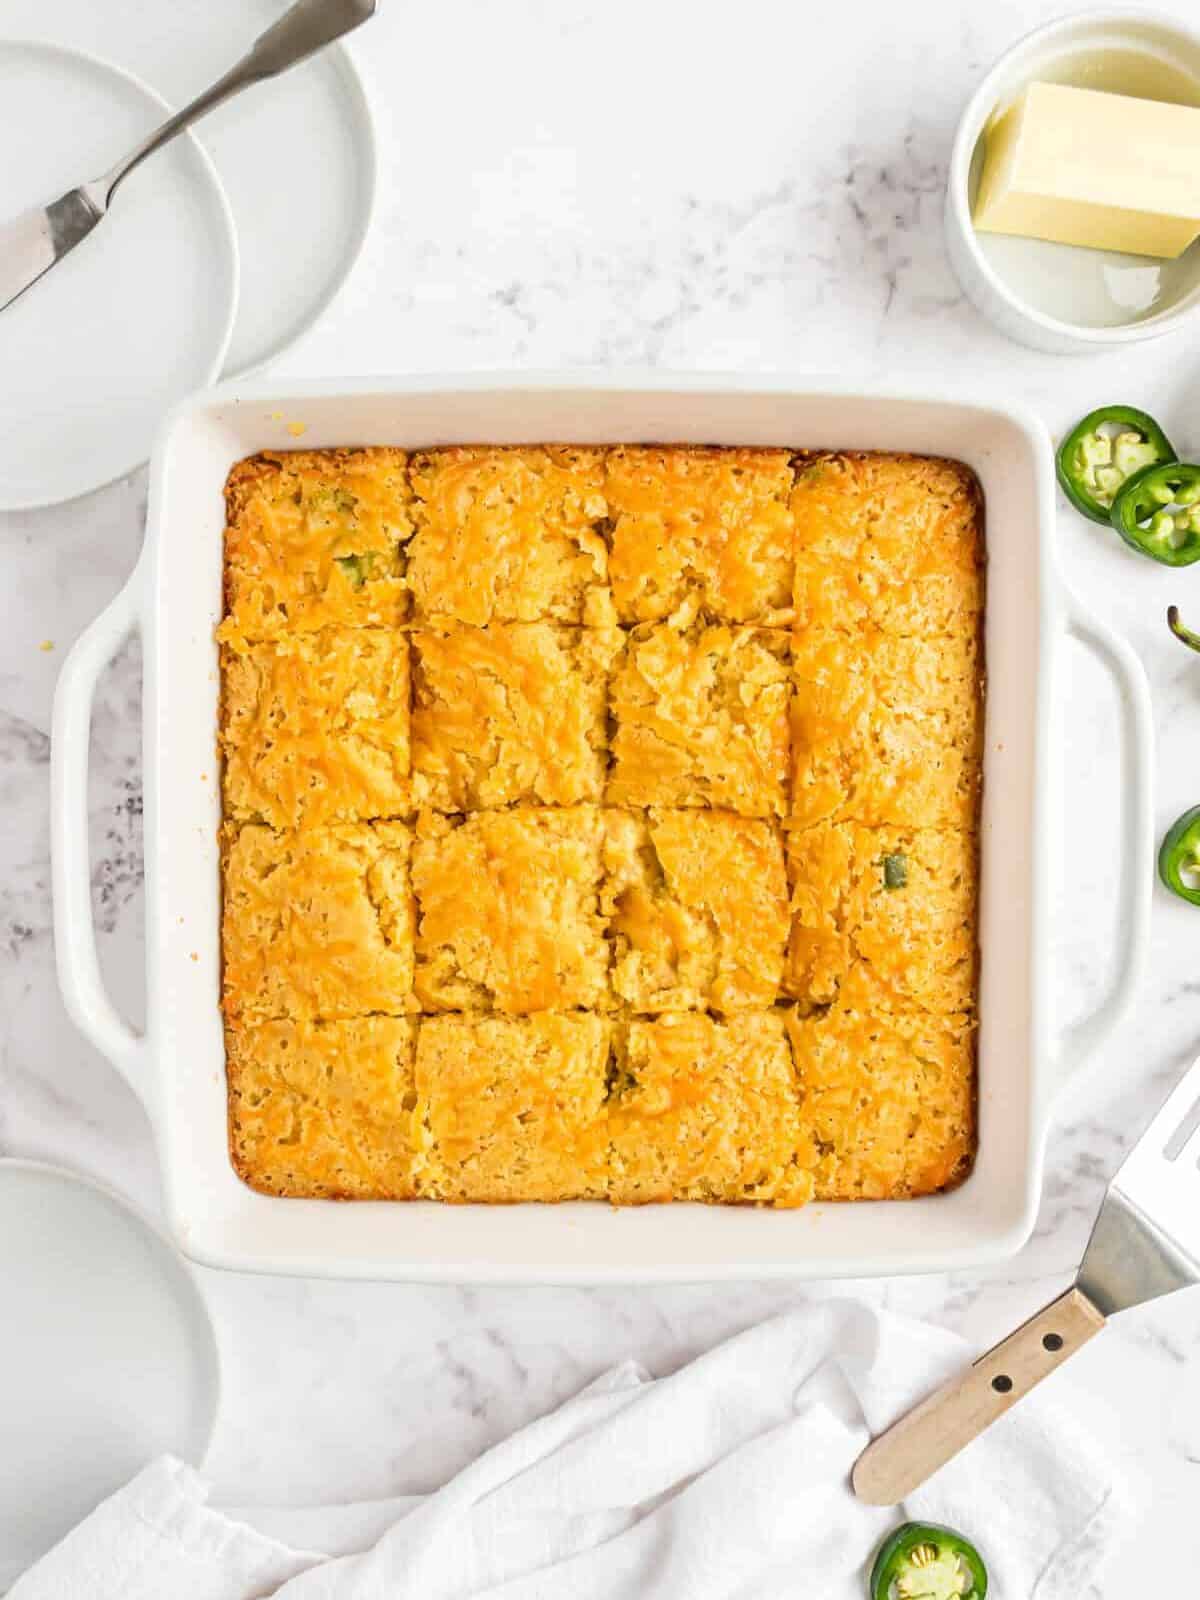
x=1146, y=1242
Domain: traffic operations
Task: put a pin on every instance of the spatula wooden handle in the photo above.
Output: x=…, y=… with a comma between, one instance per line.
x=923, y=1440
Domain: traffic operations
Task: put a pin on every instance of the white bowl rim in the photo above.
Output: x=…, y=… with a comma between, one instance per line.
x=986, y=97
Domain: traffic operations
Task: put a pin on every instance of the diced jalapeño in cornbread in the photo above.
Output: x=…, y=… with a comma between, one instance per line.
x=318, y=923
x=323, y=1109
x=513, y=1108
x=316, y=538
x=882, y=918
x=696, y=909
x=700, y=533
x=511, y=712
x=316, y=728
x=699, y=717
x=508, y=911
x=510, y=535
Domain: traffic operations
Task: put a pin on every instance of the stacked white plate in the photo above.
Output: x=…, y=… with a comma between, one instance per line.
x=217, y=254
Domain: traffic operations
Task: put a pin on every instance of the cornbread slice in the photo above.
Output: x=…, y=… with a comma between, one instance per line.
x=700, y=532
x=700, y=719
x=508, y=911
x=886, y=730
x=316, y=727
x=511, y=1108
x=696, y=905
x=882, y=918
x=511, y=712
x=892, y=541
x=318, y=923
x=323, y=1109
x=315, y=538
x=708, y=1110
x=889, y=1100
x=510, y=534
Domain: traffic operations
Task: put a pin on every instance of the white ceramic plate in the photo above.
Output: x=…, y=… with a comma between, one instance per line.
x=139, y=315
x=107, y=1355
x=296, y=156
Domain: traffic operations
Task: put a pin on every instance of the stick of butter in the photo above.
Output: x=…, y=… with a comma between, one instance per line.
x=1102, y=170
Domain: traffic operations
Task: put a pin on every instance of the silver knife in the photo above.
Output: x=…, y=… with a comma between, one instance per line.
x=33, y=242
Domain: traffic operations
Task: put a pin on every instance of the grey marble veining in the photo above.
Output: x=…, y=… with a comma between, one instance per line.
x=673, y=185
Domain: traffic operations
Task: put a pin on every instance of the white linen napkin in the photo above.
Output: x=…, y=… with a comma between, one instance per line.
x=726, y=1481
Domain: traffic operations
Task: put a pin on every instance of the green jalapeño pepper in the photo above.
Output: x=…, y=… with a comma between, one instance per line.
x=1158, y=513
x=1187, y=636
x=1101, y=453
x=1179, y=857
x=921, y=1561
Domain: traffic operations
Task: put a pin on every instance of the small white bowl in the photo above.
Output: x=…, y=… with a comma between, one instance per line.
x=1060, y=297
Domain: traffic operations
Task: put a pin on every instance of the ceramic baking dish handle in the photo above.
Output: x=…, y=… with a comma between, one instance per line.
x=87, y=1002
x=1083, y=1038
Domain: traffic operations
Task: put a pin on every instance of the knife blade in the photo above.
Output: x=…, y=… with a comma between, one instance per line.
x=31, y=243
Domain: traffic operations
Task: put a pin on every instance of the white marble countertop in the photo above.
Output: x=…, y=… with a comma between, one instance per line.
x=569, y=182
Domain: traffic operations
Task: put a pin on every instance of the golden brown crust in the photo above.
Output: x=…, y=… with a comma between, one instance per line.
x=511, y=712
x=700, y=718
x=318, y=923
x=696, y=909
x=316, y=728
x=508, y=911
x=886, y=729
x=313, y=539
x=601, y=823
x=323, y=1109
x=700, y=532
x=509, y=534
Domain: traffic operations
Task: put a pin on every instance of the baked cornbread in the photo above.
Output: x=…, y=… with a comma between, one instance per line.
x=601, y=823
x=883, y=919
x=514, y=1108
x=315, y=727
x=886, y=729
x=318, y=923
x=510, y=535
x=892, y=540
x=316, y=538
x=700, y=533
x=323, y=1109
x=696, y=908
x=508, y=911
x=709, y=1109
x=700, y=718
x=511, y=712
x=889, y=1100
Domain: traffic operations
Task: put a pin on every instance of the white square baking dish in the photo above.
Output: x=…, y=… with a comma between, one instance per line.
x=177, y=1066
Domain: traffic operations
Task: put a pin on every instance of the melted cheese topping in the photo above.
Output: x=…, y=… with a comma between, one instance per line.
x=513, y=1108
x=509, y=911
x=709, y=1110
x=323, y=1109
x=887, y=540
x=510, y=535
x=874, y=945
x=701, y=533
x=320, y=923
x=886, y=729
x=315, y=538
x=696, y=905
x=700, y=719
x=889, y=1100
x=511, y=712
x=316, y=728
